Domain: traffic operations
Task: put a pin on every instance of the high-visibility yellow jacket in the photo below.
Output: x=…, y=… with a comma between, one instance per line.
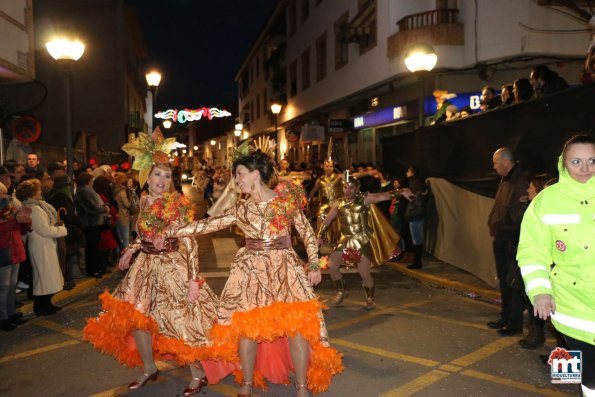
x=559, y=228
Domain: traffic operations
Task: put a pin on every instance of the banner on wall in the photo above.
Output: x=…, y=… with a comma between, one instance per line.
x=312, y=133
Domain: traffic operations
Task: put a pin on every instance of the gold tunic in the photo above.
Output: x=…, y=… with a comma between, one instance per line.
x=365, y=229
x=353, y=222
x=329, y=190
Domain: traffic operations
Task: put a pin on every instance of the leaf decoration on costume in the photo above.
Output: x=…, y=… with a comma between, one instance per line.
x=290, y=199
x=148, y=150
x=168, y=208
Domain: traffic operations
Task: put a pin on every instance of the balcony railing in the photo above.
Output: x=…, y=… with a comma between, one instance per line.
x=428, y=18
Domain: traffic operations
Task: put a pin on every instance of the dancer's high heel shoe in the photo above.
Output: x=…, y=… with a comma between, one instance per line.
x=146, y=377
x=249, y=384
x=202, y=382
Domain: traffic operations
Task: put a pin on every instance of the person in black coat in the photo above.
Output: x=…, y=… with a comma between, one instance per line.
x=60, y=198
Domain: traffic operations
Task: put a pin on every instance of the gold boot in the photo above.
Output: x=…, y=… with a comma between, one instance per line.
x=370, y=304
x=341, y=294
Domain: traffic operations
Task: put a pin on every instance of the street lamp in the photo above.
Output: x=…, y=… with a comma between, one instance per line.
x=67, y=52
x=421, y=58
x=167, y=124
x=276, y=109
x=153, y=80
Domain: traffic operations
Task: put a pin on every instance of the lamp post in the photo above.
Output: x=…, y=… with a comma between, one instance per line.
x=67, y=52
x=153, y=80
x=420, y=59
x=276, y=109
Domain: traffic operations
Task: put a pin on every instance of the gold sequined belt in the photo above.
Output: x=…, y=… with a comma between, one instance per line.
x=268, y=244
x=170, y=245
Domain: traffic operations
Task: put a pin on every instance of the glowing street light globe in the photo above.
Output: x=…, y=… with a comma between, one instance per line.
x=65, y=49
x=420, y=57
x=213, y=142
x=167, y=123
x=153, y=78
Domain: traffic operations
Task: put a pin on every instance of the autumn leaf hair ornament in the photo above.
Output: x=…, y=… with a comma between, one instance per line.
x=149, y=150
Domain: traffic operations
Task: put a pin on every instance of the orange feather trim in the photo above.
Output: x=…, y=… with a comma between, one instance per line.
x=111, y=333
x=281, y=320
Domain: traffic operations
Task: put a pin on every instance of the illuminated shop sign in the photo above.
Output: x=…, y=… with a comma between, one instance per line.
x=182, y=116
x=380, y=117
x=409, y=110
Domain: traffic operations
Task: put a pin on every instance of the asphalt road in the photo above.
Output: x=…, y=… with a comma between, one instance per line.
x=420, y=341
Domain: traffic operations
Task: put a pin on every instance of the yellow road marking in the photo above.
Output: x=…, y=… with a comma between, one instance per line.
x=513, y=383
x=385, y=353
x=484, y=352
x=450, y=367
x=59, y=328
x=39, y=350
x=445, y=320
x=417, y=384
x=380, y=310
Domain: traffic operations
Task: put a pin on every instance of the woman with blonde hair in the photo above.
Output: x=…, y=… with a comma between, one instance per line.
x=46, y=227
x=163, y=303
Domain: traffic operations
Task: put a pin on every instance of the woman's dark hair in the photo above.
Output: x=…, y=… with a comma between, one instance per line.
x=579, y=138
x=102, y=186
x=540, y=181
x=83, y=179
x=524, y=90
x=257, y=161
x=508, y=88
x=417, y=184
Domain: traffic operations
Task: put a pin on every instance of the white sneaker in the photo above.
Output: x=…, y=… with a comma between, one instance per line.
x=22, y=285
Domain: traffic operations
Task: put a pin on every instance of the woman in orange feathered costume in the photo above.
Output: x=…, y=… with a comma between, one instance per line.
x=269, y=317
x=162, y=309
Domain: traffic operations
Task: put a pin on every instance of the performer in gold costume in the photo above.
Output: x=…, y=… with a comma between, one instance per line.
x=365, y=238
x=269, y=316
x=163, y=308
x=329, y=189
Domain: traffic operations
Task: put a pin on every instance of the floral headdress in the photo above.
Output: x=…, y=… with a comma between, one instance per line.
x=149, y=150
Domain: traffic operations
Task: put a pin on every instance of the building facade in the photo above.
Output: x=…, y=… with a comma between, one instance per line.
x=332, y=62
x=107, y=85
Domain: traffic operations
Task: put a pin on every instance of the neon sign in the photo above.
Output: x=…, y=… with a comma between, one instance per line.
x=182, y=116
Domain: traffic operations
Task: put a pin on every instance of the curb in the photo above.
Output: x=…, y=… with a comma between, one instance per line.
x=83, y=285
x=443, y=282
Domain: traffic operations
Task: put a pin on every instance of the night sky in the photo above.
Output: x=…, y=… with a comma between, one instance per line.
x=199, y=46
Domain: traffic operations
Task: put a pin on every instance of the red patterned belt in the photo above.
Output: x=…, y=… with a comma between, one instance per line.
x=268, y=244
x=170, y=245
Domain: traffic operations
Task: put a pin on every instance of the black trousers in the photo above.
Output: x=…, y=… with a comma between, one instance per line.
x=513, y=301
x=92, y=256
x=588, y=360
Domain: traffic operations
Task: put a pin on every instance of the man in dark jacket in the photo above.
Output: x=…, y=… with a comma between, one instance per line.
x=92, y=212
x=505, y=223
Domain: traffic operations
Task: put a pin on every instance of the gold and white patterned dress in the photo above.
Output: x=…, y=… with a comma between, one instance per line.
x=153, y=297
x=267, y=296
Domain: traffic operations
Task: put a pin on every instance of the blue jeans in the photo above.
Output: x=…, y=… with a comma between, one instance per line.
x=123, y=234
x=8, y=284
x=417, y=231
